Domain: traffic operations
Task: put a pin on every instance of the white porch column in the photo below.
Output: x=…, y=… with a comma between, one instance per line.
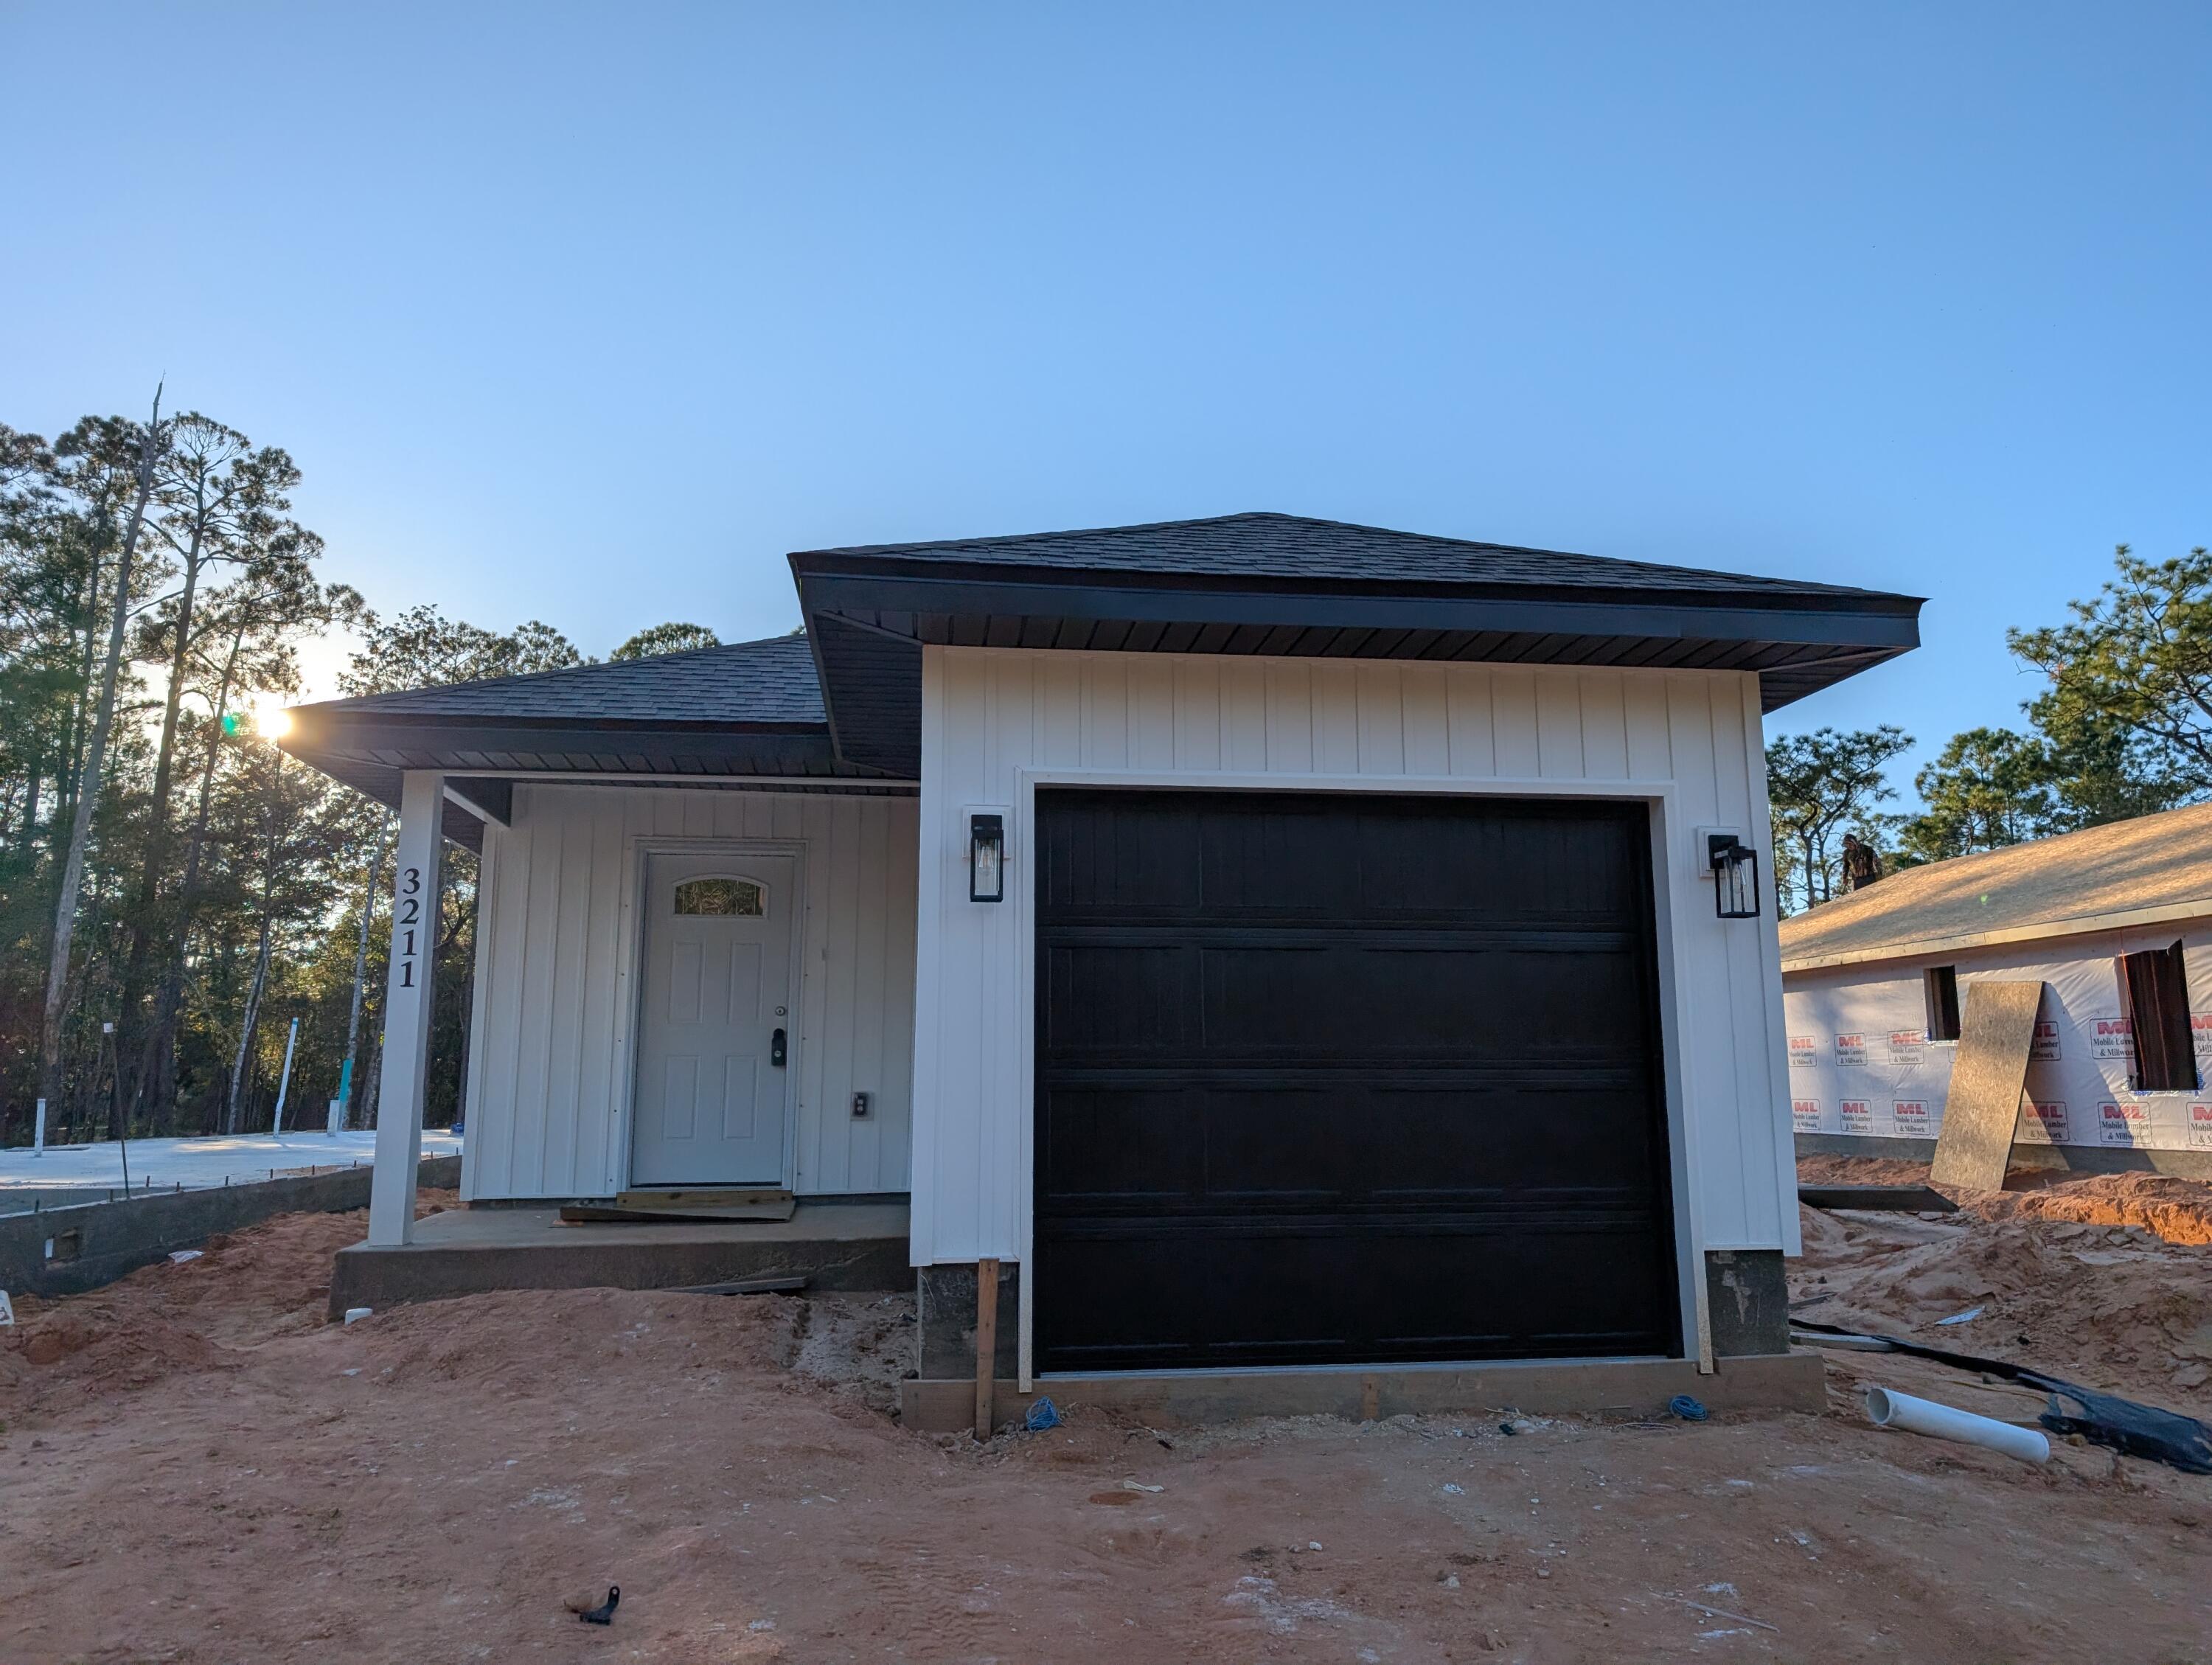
x=407, y=1008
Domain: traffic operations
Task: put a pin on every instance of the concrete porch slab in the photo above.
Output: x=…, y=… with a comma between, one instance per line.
x=469, y=1251
x=1640, y=1387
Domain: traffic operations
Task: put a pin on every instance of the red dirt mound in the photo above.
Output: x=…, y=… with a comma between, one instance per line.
x=438, y=1482
x=246, y=1287
x=2180, y=1211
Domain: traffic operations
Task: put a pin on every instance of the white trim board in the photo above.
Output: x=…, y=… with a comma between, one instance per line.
x=1659, y=797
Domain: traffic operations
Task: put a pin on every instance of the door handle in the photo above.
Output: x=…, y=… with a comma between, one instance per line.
x=775, y=1050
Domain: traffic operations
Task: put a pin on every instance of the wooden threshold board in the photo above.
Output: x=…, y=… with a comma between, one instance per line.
x=642, y=1207
x=728, y=1196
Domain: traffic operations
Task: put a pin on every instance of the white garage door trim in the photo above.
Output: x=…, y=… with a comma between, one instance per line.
x=1674, y=1017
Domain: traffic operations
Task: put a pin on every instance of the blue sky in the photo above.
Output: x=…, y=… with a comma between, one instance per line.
x=592, y=313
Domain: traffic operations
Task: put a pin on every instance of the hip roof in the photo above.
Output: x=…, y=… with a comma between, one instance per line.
x=843, y=701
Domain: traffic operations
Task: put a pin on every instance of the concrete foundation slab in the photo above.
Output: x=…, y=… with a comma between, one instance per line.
x=1746, y=1301
x=835, y=1246
x=68, y=1250
x=944, y=1312
x=1638, y=1387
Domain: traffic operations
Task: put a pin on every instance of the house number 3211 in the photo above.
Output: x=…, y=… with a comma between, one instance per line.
x=407, y=920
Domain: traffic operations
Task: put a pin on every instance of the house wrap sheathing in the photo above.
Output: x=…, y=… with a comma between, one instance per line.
x=1855, y=985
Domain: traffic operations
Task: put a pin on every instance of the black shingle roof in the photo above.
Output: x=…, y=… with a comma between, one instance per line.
x=840, y=709
x=769, y=681
x=749, y=710
x=1284, y=586
x=1260, y=545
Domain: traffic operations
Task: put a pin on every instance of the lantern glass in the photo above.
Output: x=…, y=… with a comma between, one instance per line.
x=1735, y=878
x=987, y=857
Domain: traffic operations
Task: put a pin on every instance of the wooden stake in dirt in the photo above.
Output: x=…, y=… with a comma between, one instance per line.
x=986, y=1345
x=1987, y=1077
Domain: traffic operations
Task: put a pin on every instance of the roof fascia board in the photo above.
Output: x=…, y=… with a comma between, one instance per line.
x=1660, y=617
x=2088, y=924
x=324, y=722
x=616, y=777
x=814, y=566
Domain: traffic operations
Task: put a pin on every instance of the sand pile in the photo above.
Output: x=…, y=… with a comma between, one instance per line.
x=1860, y=1171
x=2109, y=1306
x=2177, y=1210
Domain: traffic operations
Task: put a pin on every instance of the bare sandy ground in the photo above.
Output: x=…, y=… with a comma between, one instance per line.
x=195, y=1469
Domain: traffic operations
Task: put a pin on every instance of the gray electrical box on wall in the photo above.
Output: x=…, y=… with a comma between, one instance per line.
x=860, y=1106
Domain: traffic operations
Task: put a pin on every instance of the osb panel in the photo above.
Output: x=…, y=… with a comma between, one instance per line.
x=1995, y=1034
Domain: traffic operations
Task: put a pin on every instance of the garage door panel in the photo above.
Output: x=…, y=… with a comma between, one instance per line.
x=1260, y=863
x=1509, y=1143
x=1390, y=1004
x=1273, y=1145
x=1128, y=999
x=1114, y=1147
x=1118, y=859
x=1362, y=1080
x=1486, y=1293
x=1551, y=863
x=1129, y=1307
x=1177, y=1146
x=1303, y=1298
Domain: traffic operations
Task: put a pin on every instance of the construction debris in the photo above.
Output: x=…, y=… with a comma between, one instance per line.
x=1883, y=1199
x=1887, y=1409
x=605, y=1612
x=2136, y=1431
x=786, y=1285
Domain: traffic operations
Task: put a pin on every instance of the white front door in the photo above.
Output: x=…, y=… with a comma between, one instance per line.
x=715, y=1029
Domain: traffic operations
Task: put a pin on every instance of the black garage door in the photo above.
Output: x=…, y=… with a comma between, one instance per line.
x=1326, y=1078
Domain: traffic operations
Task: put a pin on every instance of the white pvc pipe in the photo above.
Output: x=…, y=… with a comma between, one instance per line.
x=1890, y=1409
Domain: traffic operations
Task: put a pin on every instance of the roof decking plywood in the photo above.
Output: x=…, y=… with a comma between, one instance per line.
x=2158, y=867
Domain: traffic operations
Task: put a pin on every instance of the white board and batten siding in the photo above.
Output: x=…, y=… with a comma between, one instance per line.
x=997, y=722
x=550, y=1057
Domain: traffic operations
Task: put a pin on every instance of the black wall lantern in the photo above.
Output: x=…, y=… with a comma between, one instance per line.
x=1735, y=875
x=987, y=857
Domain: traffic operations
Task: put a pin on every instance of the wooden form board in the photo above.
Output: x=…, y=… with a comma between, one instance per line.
x=1628, y=1387
x=1987, y=1077
x=987, y=1347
